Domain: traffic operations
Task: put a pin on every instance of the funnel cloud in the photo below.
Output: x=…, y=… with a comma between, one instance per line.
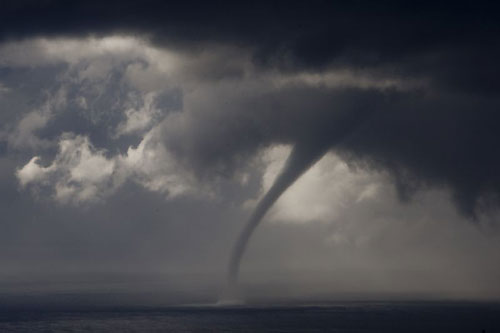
x=303, y=155
x=301, y=158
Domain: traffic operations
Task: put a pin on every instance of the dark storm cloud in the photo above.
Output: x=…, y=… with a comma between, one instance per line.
x=223, y=129
x=423, y=139
x=445, y=137
x=454, y=42
x=447, y=141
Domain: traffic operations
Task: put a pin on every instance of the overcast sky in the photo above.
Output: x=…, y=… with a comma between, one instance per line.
x=136, y=137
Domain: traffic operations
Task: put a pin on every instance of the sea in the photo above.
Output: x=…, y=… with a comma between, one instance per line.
x=20, y=315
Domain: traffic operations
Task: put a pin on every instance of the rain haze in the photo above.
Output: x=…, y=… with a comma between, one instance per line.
x=162, y=153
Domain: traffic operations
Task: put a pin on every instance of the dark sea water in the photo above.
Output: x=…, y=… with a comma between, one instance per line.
x=331, y=317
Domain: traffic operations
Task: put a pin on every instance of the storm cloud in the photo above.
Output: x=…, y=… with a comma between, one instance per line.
x=444, y=137
x=185, y=101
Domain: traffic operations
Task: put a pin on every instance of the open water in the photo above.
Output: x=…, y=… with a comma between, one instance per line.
x=325, y=317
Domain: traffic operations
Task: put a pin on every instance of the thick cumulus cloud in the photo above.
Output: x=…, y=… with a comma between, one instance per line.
x=78, y=169
x=80, y=173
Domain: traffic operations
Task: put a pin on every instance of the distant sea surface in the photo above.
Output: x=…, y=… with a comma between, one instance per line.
x=325, y=317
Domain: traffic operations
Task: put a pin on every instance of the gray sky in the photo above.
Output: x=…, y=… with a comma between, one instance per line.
x=127, y=157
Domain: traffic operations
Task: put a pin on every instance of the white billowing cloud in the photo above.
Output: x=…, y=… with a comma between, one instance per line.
x=151, y=165
x=80, y=173
x=32, y=172
x=139, y=119
x=322, y=193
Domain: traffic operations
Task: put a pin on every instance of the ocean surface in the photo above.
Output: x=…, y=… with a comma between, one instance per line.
x=355, y=316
